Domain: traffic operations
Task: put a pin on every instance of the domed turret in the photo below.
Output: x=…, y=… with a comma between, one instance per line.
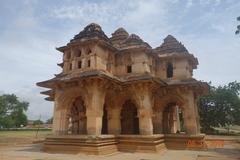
x=119, y=36
x=170, y=45
x=92, y=30
x=134, y=40
x=120, y=32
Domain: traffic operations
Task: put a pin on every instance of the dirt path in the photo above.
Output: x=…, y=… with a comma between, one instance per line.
x=33, y=152
x=20, y=147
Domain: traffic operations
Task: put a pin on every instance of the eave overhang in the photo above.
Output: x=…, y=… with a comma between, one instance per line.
x=87, y=41
x=200, y=87
x=48, y=92
x=52, y=83
x=49, y=99
x=190, y=57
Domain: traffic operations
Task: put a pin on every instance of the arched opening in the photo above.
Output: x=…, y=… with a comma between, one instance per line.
x=89, y=51
x=173, y=119
x=169, y=70
x=89, y=63
x=77, y=117
x=79, y=53
x=68, y=55
x=129, y=69
x=105, y=121
x=79, y=64
x=129, y=119
x=180, y=113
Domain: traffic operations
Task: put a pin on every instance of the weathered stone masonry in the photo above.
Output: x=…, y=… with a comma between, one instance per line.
x=122, y=86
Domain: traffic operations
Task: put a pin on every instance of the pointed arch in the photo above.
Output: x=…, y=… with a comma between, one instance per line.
x=129, y=118
x=169, y=71
x=77, y=117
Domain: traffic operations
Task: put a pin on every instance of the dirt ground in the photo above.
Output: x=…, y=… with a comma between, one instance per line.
x=20, y=146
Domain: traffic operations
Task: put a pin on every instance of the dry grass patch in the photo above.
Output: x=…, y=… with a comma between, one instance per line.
x=21, y=137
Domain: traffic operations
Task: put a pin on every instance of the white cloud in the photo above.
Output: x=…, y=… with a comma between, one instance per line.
x=28, y=37
x=38, y=106
x=146, y=18
x=26, y=58
x=211, y=2
x=86, y=11
x=189, y=4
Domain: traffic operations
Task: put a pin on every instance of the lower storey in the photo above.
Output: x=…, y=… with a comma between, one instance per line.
x=107, y=144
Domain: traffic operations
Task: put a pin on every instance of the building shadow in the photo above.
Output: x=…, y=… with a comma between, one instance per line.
x=32, y=148
x=228, y=152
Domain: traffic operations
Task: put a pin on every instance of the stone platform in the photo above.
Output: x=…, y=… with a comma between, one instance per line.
x=141, y=143
x=95, y=145
x=182, y=141
x=107, y=144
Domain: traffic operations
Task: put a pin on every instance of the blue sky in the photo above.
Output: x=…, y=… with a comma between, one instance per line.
x=31, y=29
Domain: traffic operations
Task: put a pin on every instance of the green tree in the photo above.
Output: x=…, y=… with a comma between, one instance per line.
x=221, y=107
x=12, y=111
x=238, y=26
x=50, y=120
x=37, y=122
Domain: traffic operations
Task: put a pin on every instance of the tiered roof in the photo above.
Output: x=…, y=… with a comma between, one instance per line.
x=92, y=30
x=121, y=41
x=170, y=45
x=119, y=36
x=134, y=40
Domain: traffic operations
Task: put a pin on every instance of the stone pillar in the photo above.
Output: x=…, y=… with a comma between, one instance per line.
x=59, y=116
x=190, y=116
x=172, y=120
x=176, y=120
x=95, y=101
x=145, y=121
x=114, y=121
x=63, y=122
x=157, y=122
x=60, y=122
x=197, y=116
x=95, y=61
x=189, y=123
x=65, y=66
x=143, y=97
x=94, y=122
x=56, y=119
x=178, y=127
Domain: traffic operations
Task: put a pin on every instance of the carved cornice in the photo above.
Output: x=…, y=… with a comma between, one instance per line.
x=92, y=30
x=171, y=45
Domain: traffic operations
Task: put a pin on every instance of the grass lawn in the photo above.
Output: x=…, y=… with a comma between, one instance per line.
x=21, y=137
x=25, y=133
x=233, y=130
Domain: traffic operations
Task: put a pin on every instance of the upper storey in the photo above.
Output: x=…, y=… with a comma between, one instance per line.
x=125, y=55
x=177, y=62
x=91, y=31
x=89, y=50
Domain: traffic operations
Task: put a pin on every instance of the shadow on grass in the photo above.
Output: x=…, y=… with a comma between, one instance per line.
x=229, y=152
x=32, y=148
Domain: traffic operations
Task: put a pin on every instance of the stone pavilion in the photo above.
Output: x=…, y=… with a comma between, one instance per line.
x=119, y=94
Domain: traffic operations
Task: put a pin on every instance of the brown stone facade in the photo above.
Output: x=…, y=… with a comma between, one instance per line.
x=114, y=88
